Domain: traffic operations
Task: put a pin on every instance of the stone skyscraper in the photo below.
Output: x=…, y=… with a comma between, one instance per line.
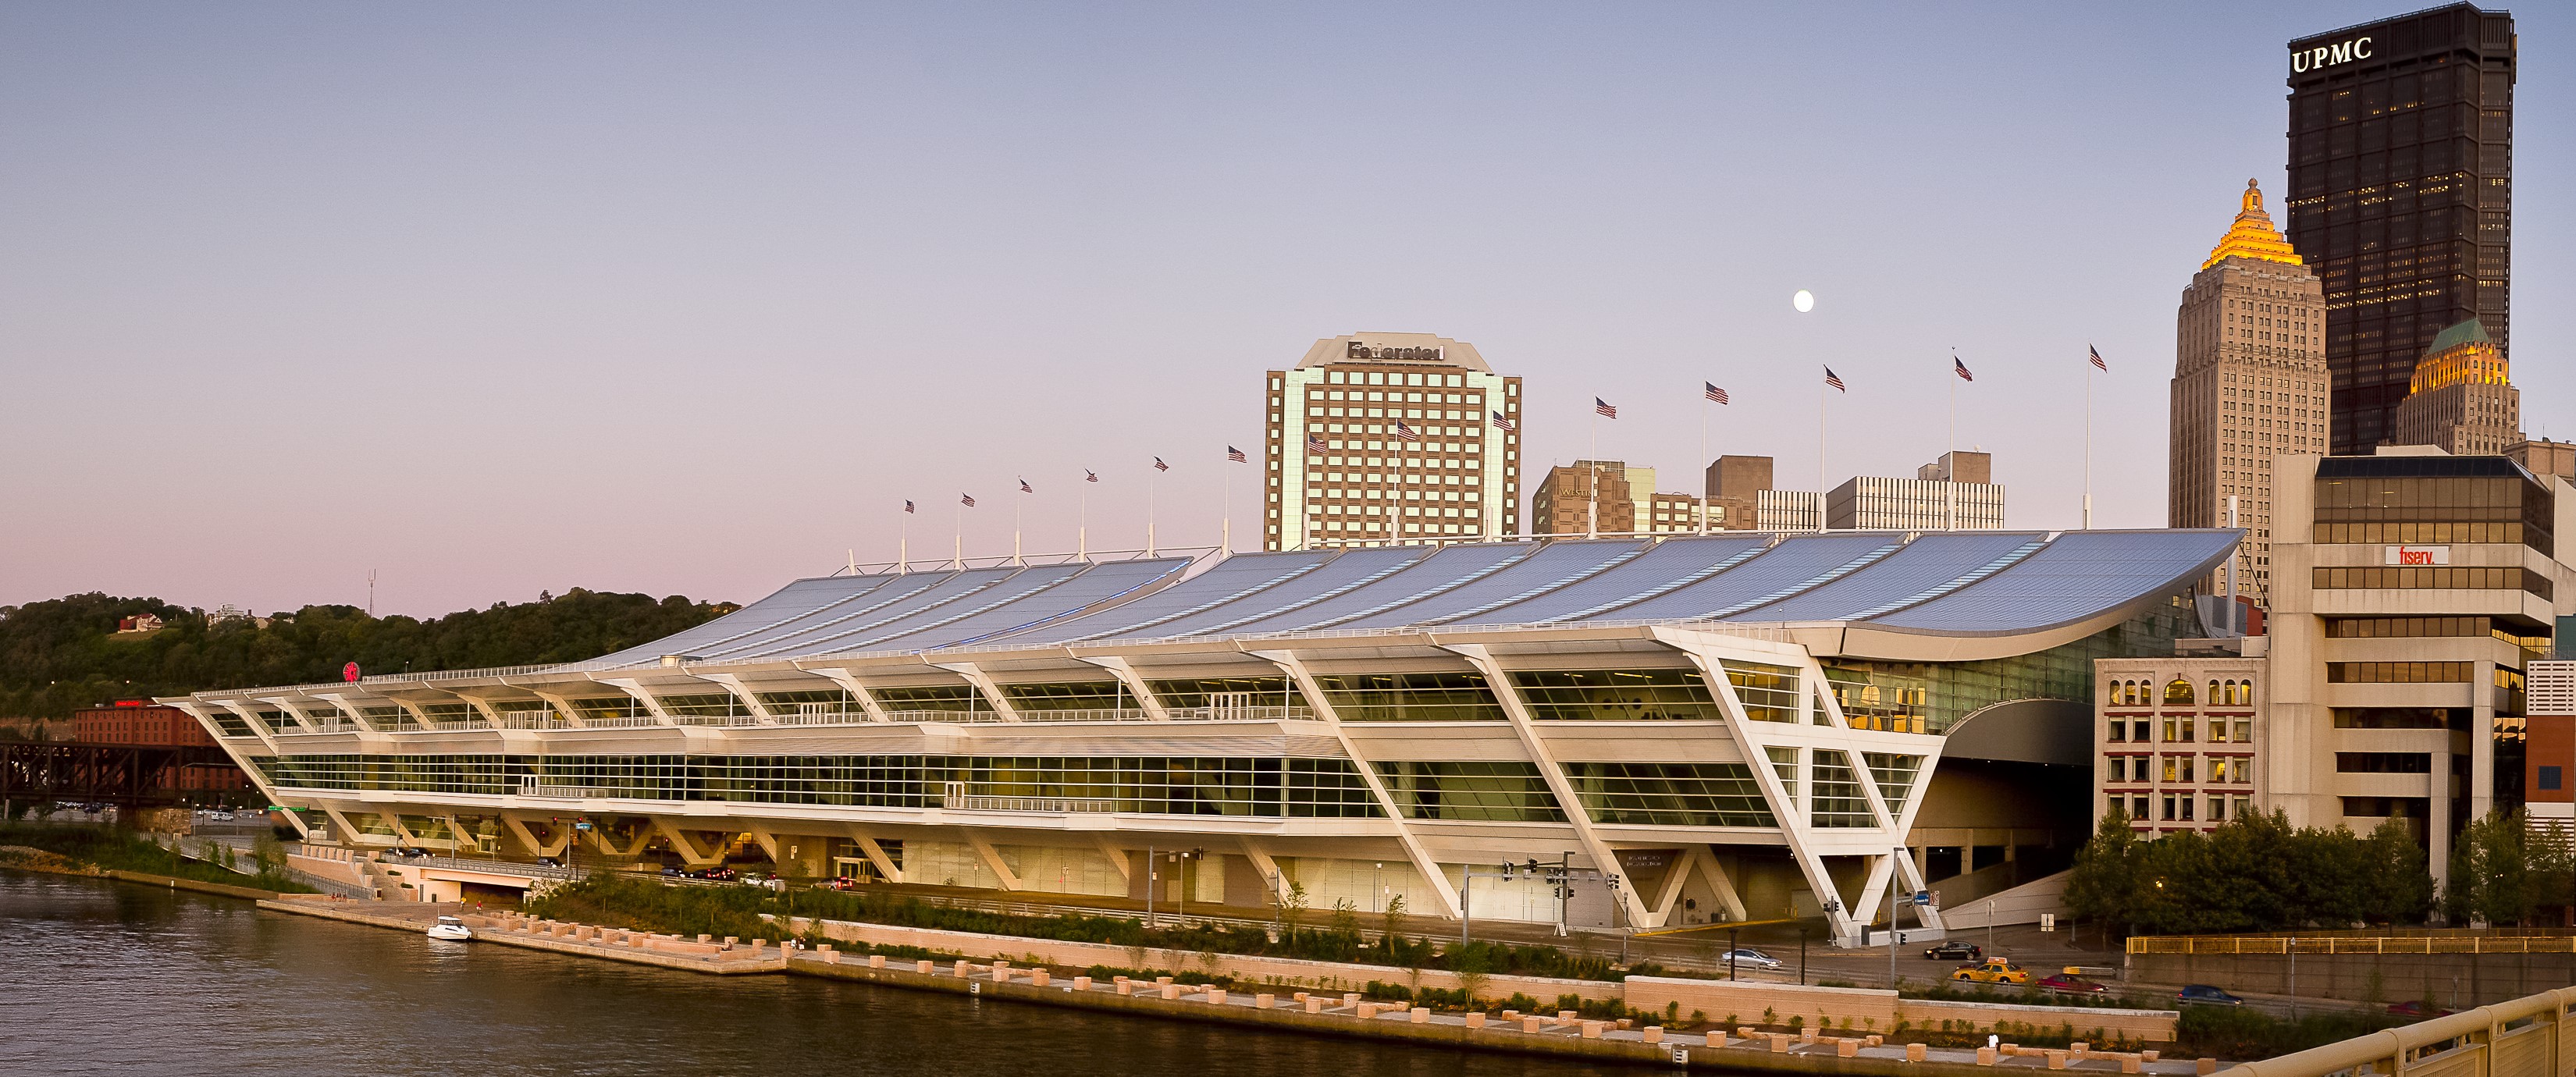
x=2249, y=383
x=2461, y=397
x=2401, y=195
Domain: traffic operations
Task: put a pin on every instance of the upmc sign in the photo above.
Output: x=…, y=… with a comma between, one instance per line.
x=2418, y=555
x=2325, y=56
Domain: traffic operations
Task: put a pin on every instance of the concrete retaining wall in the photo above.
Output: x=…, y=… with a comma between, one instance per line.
x=1866, y=1010
x=1286, y=972
x=2456, y=981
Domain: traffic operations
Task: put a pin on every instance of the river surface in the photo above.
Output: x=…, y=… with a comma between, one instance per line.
x=110, y=978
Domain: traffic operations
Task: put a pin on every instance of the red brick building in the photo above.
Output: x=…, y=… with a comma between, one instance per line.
x=152, y=725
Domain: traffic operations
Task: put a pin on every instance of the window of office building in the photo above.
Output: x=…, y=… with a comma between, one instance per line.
x=2399, y=672
x=2383, y=763
x=2401, y=718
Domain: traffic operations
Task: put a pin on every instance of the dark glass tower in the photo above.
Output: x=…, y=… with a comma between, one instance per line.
x=2401, y=195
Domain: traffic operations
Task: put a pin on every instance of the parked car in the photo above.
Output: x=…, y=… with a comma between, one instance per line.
x=1748, y=957
x=754, y=878
x=837, y=884
x=1993, y=970
x=548, y=862
x=1954, y=951
x=2206, y=995
x=713, y=874
x=2417, y=1008
x=2069, y=983
x=669, y=870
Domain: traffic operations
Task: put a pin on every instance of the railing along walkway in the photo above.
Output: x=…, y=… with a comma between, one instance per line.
x=2478, y=942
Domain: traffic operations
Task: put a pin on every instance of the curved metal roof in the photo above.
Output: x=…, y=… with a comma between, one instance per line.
x=1937, y=584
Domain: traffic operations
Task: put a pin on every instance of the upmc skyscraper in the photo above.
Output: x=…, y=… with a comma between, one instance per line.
x=2401, y=195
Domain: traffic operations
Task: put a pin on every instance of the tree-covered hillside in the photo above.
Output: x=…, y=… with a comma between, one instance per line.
x=63, y=654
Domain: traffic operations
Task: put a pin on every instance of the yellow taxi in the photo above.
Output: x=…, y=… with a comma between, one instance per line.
x=1993, y=970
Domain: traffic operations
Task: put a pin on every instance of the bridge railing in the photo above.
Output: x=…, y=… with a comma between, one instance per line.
x=2526, y=1036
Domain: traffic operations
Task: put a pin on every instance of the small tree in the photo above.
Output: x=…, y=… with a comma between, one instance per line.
x=1292, y=908
x=2490, y=872
x=2102, y=886
x=2401, y=880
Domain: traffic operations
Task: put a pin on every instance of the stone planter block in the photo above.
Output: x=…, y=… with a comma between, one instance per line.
x=1082, y=983
x=1216, y=996
x=2205, y=1067
x=1654, y=1033
x=1171, y=991
x=961, y=970
x=1419, y=1015
x=2130, y=1064
x=876, y=961
x=1314, y=1004
x=2057, y=1060
x=1163, y=980
x=1716, y=1038
x=923, y=967
x=707, y=938
x=2147, y=1055
x=1366, y=1010
x=1779, y=1043
x=1475, y=1020
x=1264, y=1002
x=1915, y=1052
x=1529, y=1024
x=1985, y=1056
x=1126, y=987
x=1040, y=978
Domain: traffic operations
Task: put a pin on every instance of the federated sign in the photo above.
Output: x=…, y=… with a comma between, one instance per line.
x=2416, y=555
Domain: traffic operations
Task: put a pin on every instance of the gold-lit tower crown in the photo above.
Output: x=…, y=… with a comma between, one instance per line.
x=2252, y=236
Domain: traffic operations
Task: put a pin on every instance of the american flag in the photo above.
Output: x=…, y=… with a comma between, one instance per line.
x=1836, y=382
x=1159, y=465
x=2097, y=359
x=1314, y=443
x=1505, y=425
x=1715, y=394
x=967, y=500
x=907, y=506
x=1024, y=487
x=1961, y=369
x=1087, y=476
x=1236, y=455
x=1406, y=432
x=1604, y=409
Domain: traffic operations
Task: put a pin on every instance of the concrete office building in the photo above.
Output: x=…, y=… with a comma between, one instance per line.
x=1932, y=500
x=2461, y=399
x=2249, y=383
x=2401, y=626
x=2401, y=195
x=1744, y=726
x=2541, y=456
x=1564, y=503
x=1381, y=438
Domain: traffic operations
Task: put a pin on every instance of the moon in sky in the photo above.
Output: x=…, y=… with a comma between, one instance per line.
x=1805, y=301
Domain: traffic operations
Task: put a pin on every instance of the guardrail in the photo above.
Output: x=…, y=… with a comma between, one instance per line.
x=1050, y=805
x=2520, y=1037
x=2389, y=945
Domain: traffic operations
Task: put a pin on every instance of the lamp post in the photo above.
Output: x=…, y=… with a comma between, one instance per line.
x=1153, y=872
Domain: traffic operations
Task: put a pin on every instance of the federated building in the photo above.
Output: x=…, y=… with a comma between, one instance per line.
x=1740, y=726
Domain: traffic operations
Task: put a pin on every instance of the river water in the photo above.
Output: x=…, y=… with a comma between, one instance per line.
x=111, y=978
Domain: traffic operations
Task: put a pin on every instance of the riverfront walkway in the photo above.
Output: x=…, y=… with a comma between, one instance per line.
x=1557, y=1033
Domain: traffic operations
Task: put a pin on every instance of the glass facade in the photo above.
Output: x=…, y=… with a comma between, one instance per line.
x=1769, y=693
x=1618, y=695
x=1503, y=792
x=1949, y=691
x=1670, y=794
x=1834, y=795
x=1157, y=785
x=1411, y=697
x=2358, y=500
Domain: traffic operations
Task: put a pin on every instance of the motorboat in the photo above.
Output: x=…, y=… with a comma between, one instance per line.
x=451, y=929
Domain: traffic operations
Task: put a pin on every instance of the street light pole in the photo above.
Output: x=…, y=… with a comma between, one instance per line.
x=1891, y=923
x=1153, y=872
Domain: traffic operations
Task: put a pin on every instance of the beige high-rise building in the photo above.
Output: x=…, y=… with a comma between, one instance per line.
x=2249, y=383
x=2461, y=398
x=1379, y=438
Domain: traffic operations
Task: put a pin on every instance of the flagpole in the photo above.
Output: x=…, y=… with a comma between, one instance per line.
x=958, y=559
x=1949, y=457
x=903, y=544
x=1149, y=515
x=1820, y=456
x=1703, y=474
x=2088, y=447
x=1082, y=525
x=1592, y=509
x=1225, y=524
x=1017, y=500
